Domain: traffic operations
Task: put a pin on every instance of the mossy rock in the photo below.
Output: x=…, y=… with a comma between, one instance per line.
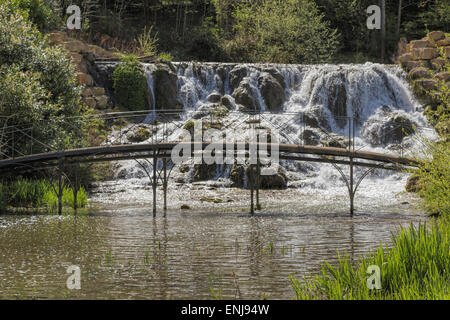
x=141, y=135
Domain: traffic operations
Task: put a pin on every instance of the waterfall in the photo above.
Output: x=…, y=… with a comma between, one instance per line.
x=303, y=104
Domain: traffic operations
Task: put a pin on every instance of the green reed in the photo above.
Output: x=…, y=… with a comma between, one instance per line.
x=416, y=267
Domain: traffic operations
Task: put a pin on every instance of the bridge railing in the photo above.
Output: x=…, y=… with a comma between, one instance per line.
x=160, y=126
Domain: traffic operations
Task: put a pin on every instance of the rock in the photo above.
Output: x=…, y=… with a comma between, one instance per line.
x=437, y=64
x=102, y=102
x=245, y=95
x=185, y=207
x=447, y=52
x=76, y=57
x=76, y=46
x=336, y=141
x=436, y=35
x=236, y=76
x=426, y=84
x=90, y=102
x=417, y=44
x=204, y=172
x=409, y=65
x=425, y=53
x=310, y=137
x=237, y=176
x=443, y=76
x=98, y=91
x=227, y=102
x=86, y=92
x=387, y=127
x=271, y=91
x=444, y=43
x=276, y=181
x=166, y=90
x=57, y=37
x=413, y=184
x=214, y=97
x=82, y=67
x=142, y=134
x=277, y=75
x=418, y=73
x=85, y=79
x=405, y=58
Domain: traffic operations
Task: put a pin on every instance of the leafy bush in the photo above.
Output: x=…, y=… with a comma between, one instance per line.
x=147, y=43
x=39, y=13
x=130, y=84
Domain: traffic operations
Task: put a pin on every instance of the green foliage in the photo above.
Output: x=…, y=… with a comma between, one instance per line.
x=148, y=43
x=38, y=12
x=165, y=57
x=130, y=84
x=37, y=82
x=25, y=193
x=291, y=31
x=416, y=267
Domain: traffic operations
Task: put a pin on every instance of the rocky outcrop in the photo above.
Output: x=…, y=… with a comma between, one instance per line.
x=166, y=90
x=240, y=174
x=272, y=92
x=245, y=96
x=236, y=76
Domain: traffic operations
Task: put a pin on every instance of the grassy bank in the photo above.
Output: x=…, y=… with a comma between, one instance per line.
x=25, y=195
x=416, y=266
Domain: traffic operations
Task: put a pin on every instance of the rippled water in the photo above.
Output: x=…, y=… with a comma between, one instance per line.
x=124, y=253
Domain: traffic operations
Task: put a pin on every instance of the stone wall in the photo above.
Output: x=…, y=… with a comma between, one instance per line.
x=83, y=56
x=425, y=61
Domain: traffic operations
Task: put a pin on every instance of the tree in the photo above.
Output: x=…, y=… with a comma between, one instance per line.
x=291, y=31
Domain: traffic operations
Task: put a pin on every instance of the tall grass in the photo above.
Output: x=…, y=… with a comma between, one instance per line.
x=416, y=267
x=25, y=193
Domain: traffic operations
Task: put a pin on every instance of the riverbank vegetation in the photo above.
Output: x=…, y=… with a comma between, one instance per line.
x=25, y=195
x=296, y=31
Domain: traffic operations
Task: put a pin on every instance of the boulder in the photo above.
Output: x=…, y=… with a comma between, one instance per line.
x=90, y=102
x=416, y=44
x=245, y=95
x=86, y=92
x=277, y=75
x=237, y=176
x=405, y=58
x=418, y=73
x=310, y=137
x=97, y=91
x=227, y=102
x=409, y=65
x=140, y=135
x=102, y=102
x=271, y=91
x=436, y=35
x=387, y=127
x=76, y=57
x=413, y=184
x=85, y=79
x=82, y=67
x=214, y=97
x=278, y=180
x=204, y=172
x=426, y=84
x=437, y=64
x=447, y=52
x=236, y=76
x=425, y=53
x=444, y=43
x=166, y=90
x=336, y=141
x=443, y=76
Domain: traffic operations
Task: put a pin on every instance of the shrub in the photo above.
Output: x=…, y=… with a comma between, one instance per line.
x=130, y=84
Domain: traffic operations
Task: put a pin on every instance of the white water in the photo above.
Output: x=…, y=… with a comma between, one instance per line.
x=370, y=93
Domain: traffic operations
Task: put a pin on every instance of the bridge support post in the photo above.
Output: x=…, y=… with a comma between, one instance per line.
x=60, y=187
x=351, y=189
x=154, y=182
x=165, y=184
x=258, y=181
x=252, y=188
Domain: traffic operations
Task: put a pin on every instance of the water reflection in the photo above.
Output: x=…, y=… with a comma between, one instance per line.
x=125, y=253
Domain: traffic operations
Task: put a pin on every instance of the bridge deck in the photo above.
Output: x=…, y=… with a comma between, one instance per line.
x=287, y=151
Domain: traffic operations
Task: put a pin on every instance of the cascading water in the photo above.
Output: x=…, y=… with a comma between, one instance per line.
x=301, y=104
